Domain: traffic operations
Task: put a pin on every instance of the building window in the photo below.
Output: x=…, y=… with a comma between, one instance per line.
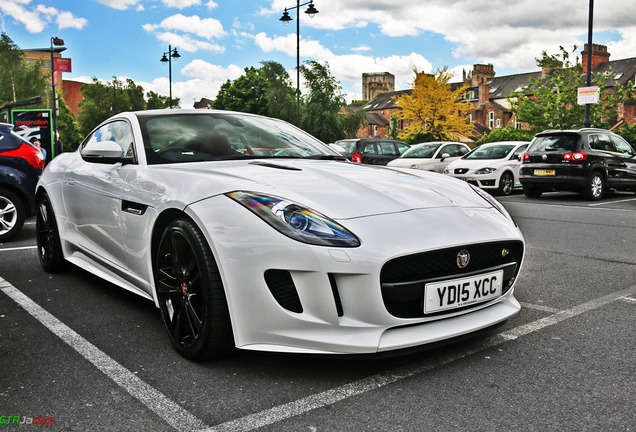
x=498, y=123
x=491, y=119
x=517, y=124
x=472, y=118
x=375, y=130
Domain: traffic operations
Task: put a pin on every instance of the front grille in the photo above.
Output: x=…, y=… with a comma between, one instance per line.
x=403, y=279
x=461, y=171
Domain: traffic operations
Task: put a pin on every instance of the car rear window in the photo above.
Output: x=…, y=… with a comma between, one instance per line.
x=560, y=142
x=9, y=141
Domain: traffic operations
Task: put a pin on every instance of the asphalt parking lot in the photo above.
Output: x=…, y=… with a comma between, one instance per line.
x=90, y=356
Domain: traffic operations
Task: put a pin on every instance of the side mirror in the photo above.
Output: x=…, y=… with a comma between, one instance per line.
x=445, y=155
x=106, y=152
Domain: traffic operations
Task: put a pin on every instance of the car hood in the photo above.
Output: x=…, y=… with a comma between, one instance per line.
x=408, y=162
x=340, y=190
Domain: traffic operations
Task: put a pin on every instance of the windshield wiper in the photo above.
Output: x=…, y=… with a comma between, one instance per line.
x=326, y=157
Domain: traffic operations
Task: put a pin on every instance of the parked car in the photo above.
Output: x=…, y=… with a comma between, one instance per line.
x=372, y=151
x=492, y=166
x=20, y=167
x=431, y=156
x=305, y=254
x=588, y=161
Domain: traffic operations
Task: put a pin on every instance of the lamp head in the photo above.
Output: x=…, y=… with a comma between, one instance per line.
x=285, y=18
x=311, y=10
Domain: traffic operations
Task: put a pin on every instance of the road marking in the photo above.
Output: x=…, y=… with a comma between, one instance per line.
x=156, y=401
x=180, y=419
x=329, y=397
x=539, y=307
x=611, y=202
x=18, y=248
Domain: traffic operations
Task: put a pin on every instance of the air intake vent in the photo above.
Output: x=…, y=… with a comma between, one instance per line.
x=281, y=285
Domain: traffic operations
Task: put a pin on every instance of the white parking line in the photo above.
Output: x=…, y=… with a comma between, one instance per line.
x=17, y=248
x=180, y=419
x=329, y=397
x=611, y=202
x=539, y=307
x=157, y=402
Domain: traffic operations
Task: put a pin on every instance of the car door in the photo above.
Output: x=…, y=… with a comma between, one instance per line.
x=613, y=160
x=93, y=197
x=453, y=152
x=514, y=161
x=626, y=172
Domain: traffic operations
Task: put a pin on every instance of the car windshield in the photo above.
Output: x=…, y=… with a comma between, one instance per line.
x=422, y=151
x=195, y=137
x=499, y=151
x=347, y=145
x=560, y=142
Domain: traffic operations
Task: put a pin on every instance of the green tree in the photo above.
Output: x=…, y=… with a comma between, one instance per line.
x=67, y=126
x=506, y=134
x=247, y=93
x=279, y=92
x=551, y=102
x=320, y=111
x=433, y=108
x=156, y=101
x=19, y=80
x=352, y=120
x=394, y=130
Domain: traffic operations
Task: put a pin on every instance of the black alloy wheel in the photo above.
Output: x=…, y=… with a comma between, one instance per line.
x=190, y=293
x=48, y=237
x=12, y=215
x=506, y=183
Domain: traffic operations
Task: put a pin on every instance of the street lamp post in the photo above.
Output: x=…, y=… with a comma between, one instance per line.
x=57, y=42
x=311, y=11
x=172, y=53
x=587, y=122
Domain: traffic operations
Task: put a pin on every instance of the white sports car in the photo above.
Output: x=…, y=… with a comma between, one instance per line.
x=296, y=250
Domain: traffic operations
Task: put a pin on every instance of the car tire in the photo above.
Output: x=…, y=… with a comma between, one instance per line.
x=190, y=293
x=506, y=183
x=595, y=187
x=47, y=237
x=532, y=192
x=12, y=214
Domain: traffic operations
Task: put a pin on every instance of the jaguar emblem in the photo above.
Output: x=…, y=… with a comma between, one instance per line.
x=463, y=257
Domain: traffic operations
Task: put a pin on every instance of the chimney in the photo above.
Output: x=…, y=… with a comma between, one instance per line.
x=599, y=55
x=482, y=73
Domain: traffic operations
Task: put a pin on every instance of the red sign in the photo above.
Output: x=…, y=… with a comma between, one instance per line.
x=62, y=64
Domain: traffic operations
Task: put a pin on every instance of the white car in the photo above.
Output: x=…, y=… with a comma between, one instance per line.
x=493, y=166
x=297, y=251
x=431, y=156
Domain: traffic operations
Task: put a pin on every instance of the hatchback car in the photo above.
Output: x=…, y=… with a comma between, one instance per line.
x=492, y=166
x=373, y=151
x=20, y=167
x=431, y=156
x=585, y=160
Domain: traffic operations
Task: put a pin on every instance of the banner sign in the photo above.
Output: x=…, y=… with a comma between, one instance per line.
x=62, y=64
x=34, y=126
x=587, y=95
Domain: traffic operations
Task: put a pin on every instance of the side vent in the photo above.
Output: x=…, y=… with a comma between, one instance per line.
x=281, y=285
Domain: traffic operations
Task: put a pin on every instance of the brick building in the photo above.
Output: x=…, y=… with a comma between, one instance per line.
x=489, y=94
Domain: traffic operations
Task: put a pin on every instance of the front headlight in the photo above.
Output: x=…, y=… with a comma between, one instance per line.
x=295, y=220
x=493, y=202
x=446, y=170
x=485, y=171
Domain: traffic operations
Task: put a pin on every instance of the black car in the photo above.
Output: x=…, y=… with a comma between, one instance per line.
x=20, y=167
x=589, y=161
x=374, y=151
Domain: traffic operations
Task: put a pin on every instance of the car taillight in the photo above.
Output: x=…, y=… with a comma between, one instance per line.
x=576, y=157
x=525, y=157
x=31, y=154
x=356, y=158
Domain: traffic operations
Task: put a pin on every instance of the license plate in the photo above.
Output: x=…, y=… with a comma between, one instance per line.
x=543, y=172
x=455, y=293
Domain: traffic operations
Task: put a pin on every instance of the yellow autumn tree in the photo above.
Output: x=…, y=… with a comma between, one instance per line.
x=432, y=108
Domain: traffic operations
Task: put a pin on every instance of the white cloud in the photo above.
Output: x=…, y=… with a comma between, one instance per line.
x=208, y=28
x=68, y=20
x=119, y=4
x=39, y=17
x=32, y=21
x=180, y=4
x=204, y=70
x=186, y=43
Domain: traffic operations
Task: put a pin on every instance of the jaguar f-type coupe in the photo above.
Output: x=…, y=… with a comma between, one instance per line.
x=293, y=249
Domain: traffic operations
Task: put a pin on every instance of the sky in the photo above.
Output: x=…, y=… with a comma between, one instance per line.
x=217, y=39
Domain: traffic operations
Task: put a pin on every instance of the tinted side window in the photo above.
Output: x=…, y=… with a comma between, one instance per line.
x=402, y=148
x=387, y=148
x=622, y=146
x=603, y=142
x=519, y=151
x=369, y=148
